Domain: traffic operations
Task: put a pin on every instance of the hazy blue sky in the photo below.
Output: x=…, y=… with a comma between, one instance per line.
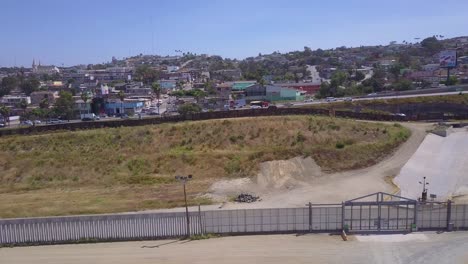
x=83, y=31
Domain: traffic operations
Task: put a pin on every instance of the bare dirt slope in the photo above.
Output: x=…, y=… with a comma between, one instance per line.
x=298, y=181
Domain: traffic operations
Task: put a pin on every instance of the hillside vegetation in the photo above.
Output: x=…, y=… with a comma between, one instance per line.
x=133, y=168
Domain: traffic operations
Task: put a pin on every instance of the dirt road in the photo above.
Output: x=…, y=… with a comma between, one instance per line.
x=412, y=248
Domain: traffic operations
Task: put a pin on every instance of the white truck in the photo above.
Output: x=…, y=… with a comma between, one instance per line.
x=89, y=117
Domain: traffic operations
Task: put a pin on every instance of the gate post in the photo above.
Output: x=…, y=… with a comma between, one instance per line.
x=449, y=215
x=200, y=220
x=310, y=217
x=342, y=215
x=415, y=217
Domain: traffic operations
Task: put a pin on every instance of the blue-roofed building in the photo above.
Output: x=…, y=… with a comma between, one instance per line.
x=128, y=106
x=168, y=85
x=242, y=85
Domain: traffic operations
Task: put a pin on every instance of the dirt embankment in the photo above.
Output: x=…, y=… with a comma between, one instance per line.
x=297, y=181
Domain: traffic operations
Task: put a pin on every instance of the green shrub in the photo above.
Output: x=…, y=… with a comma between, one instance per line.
x=339, y=145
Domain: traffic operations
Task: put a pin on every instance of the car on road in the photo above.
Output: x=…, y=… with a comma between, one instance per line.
x=54, y=121
x=27, y=123
x=331, y=99
x=288, y=104
x=124, y=116
x=372, y=94
x=255, y=107
x=2, y=125
x=308, y=100
x=37, y=122
x=348, y=99
x=399, y=114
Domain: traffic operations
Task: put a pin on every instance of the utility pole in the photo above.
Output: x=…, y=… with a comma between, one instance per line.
x=184, y=180
x=424, y=190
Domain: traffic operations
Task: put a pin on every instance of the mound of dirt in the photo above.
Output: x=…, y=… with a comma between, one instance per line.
x=287, y=174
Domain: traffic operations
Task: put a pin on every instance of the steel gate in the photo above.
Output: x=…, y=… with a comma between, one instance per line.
x=379, y=212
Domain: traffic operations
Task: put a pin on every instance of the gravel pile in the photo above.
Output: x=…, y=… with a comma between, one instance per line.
x=246, y=198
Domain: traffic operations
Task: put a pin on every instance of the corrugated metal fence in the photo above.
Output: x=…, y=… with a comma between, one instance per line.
x=140, y=226
x=97, y=228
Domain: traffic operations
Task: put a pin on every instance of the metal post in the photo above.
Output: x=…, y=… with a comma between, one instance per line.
x=187, y=213
x=342, y=215
x=310, y=217
x=378, y=213
x=200, y=220
x=448, y=76
x=449, y=215
x=416, y=214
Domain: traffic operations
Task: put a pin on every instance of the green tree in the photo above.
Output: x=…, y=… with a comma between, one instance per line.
x=7, y=85
x=199, y=94
x=44, y=104
x=324, y=90
x=359, y=76
x=146, y=74
x=189, y=109
x=85, y=97
x=64, y=105
x=209, y=87
x=403, y=85
x=5, y=112
x=157, y=91
x=30, y=86
x=432, y=45
x=23, y=105
x=395, y=71
x=453, y=80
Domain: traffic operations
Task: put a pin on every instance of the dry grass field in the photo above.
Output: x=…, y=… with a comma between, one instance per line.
x=133, y=168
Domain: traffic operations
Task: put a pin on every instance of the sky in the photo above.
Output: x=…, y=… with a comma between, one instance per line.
x=70, y=32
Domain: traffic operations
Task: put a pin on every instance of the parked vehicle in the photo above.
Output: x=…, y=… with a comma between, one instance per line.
x=89, y=117
x=308, y=100
x=2, y=125
x=348, y=99
x=260, y=104
x=37, y=122
x=54, y=121
x=331, y=99
x=27, y=123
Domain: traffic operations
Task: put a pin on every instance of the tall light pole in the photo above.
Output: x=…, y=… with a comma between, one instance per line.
x=184, y=180
x=424, y=191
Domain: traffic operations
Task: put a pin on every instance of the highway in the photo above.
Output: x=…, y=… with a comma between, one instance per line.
x=166, y=104
x=378, y=97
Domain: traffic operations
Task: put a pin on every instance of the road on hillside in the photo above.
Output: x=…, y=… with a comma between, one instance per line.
x=423, y=248
x=373, y=98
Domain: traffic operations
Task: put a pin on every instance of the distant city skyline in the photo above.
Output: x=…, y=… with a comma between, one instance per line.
x=89, y=32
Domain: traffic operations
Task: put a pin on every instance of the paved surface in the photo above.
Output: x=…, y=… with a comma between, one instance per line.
x=317, y=248
x=444, y=163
